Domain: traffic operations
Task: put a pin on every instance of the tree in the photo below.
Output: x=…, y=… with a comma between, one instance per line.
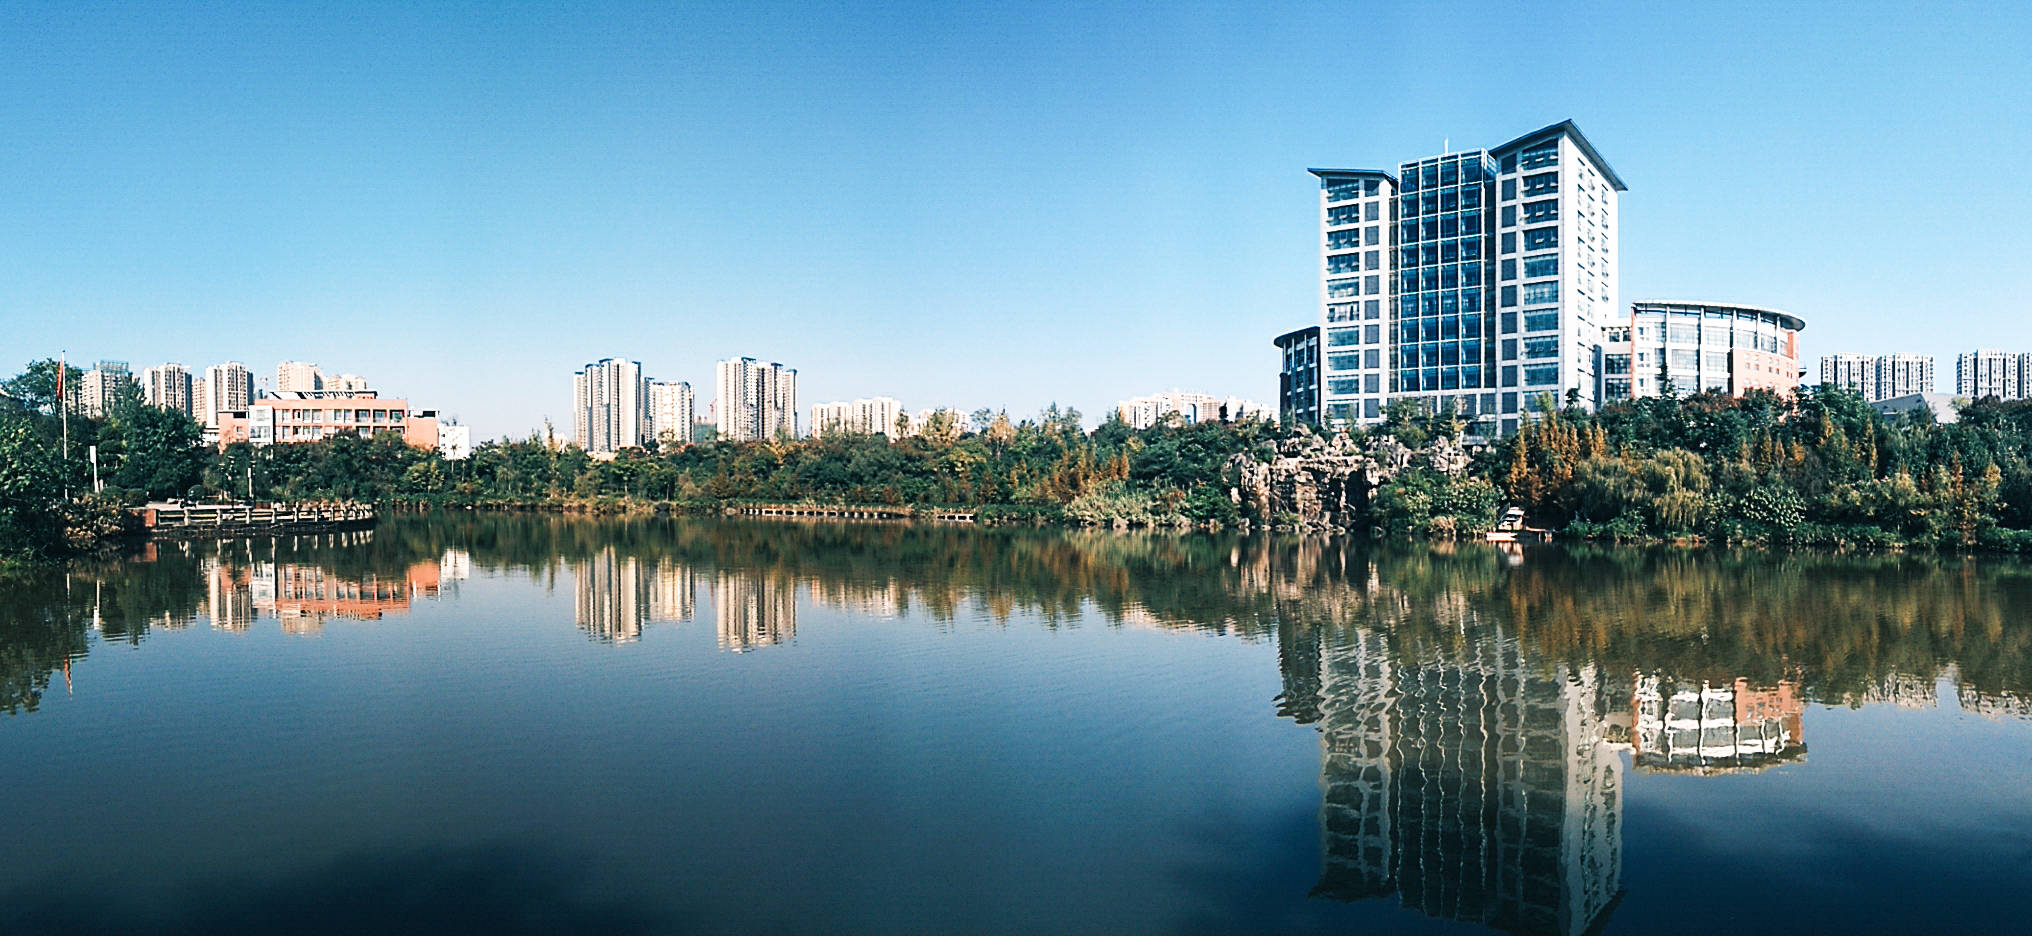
x=161, y=452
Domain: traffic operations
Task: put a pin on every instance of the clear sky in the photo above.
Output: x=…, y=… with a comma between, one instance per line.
x=998, y=204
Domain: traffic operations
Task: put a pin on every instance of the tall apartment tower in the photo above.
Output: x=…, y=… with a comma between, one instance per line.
x=1481, y=280
x=1904, y=374
x=610, y=406
x=757, y=401
x=167, y=386
x=1981, y=374
x=671, y=405
x=1856, y=373
x=229, y=388
x=298, y=376
x=101, y=387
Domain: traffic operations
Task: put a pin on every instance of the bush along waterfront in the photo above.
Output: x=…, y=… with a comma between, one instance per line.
x=1820, y=468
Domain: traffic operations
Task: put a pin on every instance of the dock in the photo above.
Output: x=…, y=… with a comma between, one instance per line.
x=846, y=512
x=179, y=519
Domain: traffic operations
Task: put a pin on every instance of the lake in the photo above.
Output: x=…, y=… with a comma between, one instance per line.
x=535, y=724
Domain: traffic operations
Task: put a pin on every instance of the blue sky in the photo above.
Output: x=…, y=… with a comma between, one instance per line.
x=964, y=205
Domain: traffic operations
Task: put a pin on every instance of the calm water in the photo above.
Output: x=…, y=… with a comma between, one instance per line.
x=518, y=724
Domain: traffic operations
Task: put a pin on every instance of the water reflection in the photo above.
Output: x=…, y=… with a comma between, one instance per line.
x=1476, y=709
x=1475, y=785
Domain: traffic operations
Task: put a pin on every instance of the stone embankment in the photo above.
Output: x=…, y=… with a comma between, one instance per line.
x=1321, y=482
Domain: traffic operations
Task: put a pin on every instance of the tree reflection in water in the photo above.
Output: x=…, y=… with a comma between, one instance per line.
x=1472, y=705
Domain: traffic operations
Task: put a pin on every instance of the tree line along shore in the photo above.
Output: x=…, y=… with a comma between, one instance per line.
x=1819, y=468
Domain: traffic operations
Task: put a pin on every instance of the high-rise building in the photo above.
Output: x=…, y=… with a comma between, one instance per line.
x=1982, y=374
x=1700, y=347
x=201, y=401
x=1879, y=377
x=100, y=389
x=1478, y=280
x=671, y=404
x=757, y=401
x=1856, y=373
x=347, y=383
x=876, y=416
x=610, y=406
x=167, y=386
x=298, y=376
x=1904, y=375
x=1189, y=408
x=229, y=388
x=1298, y=375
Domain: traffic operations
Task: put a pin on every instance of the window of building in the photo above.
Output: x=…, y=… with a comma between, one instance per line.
x=1509, y=189
x=1372, y=285
x=1509, y=270
x=1510, y=377
x=1541, y=238
x=1345, y=214
x=1509, y=215
x=1509, y=242
x=1538, y=349
x=1369, y=384
x=1541, y=266
x=1371, y=258
x=1538, y=375
x=1509, y=349
x=1344, y=362
x=1372, y=211
x=1342, y=337
x=1682, y=334
x=1343, y=191
x=1509, y=296
x=1541, y=321
x=1342, y=240
x=1371, y=308
x=1541, y=183
x=1336, y=289
x=1370, y=408
x=1471, y=249
x=1547, y=210
x=1683, y=360
x=1370, y=186
x=1372, y=235
x=1343, y=386
x=1536, y=293
x=1509, y=323
x=1343, y=263
x=1544, y=154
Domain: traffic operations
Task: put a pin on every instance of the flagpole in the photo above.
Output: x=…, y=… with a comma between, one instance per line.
x=64, y=415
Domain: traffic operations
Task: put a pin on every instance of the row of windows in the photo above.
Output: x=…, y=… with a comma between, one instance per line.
x=1433, y=229
x=1466, y=302
x=1354, y=360
x=1453, y=251
x=1371, y=285
x=1349, y=311
x=1453, y=276
x=1441, y=378
x=1452, y=171
x=1544, y=154
x=1349, y=386
x=1342, y=240
x=1468, y=198
x=1440, y=354
x=1547, y=265
x=1340, y=190
x=1441, y=328
x=1534, y=294
x=1344, y=337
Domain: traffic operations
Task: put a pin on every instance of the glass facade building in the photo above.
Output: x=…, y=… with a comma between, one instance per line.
x=1478, y=280
x=1697, y=347
x=1298, y=376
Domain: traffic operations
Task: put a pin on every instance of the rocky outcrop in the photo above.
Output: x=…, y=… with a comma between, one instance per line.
x=1324, y=482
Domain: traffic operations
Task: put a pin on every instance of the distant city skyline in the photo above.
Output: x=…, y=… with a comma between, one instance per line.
x=1067, y=205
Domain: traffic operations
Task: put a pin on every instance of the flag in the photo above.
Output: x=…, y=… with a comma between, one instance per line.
x=61, y=366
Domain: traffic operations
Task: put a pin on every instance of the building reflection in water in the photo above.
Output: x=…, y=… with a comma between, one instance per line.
x=615, y=596
x=753, y=611
x=1701, y=727
x=301, y=596
x=1476, y=787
